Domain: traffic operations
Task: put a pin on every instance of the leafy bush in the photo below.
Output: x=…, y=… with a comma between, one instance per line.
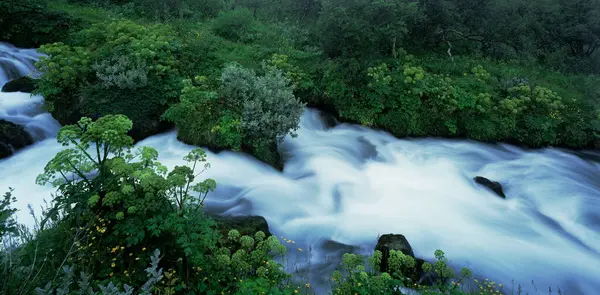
x=248, y=112
x=437, y=97
x=121, y=67
x=125, y=201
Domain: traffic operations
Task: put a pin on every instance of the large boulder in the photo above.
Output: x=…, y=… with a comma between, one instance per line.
x=12, y=138
x=23, y=84
x=495, y=186
x=389, y=242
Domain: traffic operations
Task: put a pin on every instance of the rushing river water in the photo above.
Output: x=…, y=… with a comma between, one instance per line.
x=343, y=186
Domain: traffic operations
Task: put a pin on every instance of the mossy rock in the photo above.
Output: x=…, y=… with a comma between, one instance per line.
x=23, y=84
x=12, y=138
x=389, y=242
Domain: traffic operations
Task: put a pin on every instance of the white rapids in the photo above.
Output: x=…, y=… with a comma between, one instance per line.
x=348, y=184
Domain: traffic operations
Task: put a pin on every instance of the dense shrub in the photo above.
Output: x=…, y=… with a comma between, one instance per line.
x=437, y=97
x=121, y=67
x=248, y=112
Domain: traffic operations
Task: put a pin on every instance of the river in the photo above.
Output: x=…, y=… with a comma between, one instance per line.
x=341, y=187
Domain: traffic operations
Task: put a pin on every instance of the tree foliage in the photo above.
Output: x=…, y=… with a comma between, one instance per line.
x=359, y=27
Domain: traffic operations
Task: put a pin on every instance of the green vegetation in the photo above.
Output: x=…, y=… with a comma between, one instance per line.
x=247, y=111
x=236, y=75
x=107, y=63
x=425, y=68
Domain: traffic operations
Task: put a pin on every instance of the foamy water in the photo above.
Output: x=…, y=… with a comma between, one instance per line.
x=350, y=184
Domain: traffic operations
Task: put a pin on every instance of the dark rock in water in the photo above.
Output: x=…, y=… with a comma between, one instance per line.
x=495, y=186
x=246, y=225
x=389, y=242
x=143, y=129
x=23, y=84
x=12, y=138
x=329, y=119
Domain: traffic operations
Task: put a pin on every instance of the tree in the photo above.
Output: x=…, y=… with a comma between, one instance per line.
x=578, y=26
x=364, y=27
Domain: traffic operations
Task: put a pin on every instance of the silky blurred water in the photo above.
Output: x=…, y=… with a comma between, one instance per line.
x=343, y=186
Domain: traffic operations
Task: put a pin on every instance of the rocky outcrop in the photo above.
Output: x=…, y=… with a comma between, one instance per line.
x=23, y=84
x=12, y=138
x=389, y=242
x=495, y=186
